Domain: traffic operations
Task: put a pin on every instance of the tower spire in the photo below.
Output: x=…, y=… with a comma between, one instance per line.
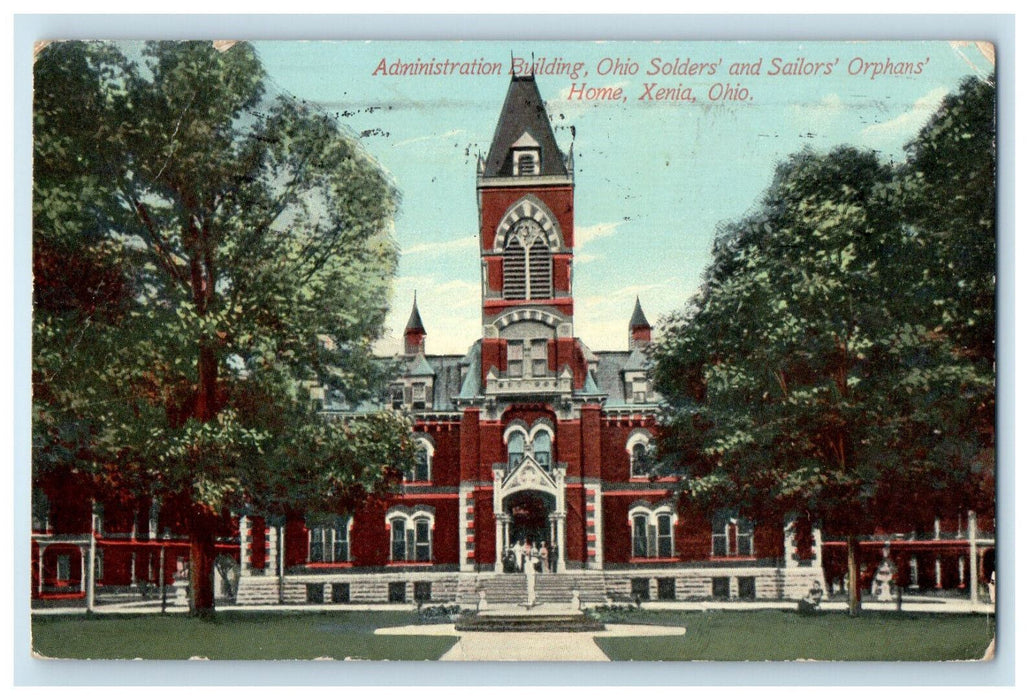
x=640, y=329
x=414, y=334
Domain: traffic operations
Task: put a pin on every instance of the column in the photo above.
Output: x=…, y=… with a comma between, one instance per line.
x=559, y=527
x=938, y=571
x=243, y=538
x=973, y=555
x=498, y=564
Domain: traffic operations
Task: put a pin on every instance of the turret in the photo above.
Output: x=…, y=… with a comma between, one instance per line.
x=640, y=329
x=414, y=335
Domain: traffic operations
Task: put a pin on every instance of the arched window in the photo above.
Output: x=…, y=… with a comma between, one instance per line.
x=527, y=262
x=640, y=535
x=398, y=539
x=651, y=528
x=541, y=448
x=515, y=450
x=639, y=448
x=410, y=533
x=422, y=467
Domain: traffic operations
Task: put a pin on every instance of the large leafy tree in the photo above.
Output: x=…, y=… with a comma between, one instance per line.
x=202, y=253
x=830, y=366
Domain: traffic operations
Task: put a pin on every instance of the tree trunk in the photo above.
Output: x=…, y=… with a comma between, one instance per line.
x=203, y=559
x=853, y=547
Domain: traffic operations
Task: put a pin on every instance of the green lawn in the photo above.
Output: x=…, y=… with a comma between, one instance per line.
x=711, y=636
x=774, y=635
x=234, y=635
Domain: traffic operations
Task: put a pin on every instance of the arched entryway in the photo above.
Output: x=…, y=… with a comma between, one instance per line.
x=529, y=505
x=530, y=520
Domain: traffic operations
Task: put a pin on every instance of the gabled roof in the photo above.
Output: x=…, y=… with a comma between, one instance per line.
x=639, y=320
x=523, y=115
x=637, y=361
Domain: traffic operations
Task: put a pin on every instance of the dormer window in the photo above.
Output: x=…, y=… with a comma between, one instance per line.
x=525, y=153
x=526, y=163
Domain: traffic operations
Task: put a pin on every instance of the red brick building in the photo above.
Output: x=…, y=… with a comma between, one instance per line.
x=531, y=436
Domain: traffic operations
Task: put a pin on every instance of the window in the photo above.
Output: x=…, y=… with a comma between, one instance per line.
x=640, y=536
x=526, y=162
x=638, y=446
x=667, y=589
x=423, y=540
x=397, y=592
x=639, y=463
x=420, y=390
x=746, y=587
x=399, y=539
x=515, y=359
x=541, y=448
x=665, y=535
x=396, y=396
x=539, y=358
x=721, y=587
x=410, y=533
x=422, y=591
x=652, y=532
x=732, y=537
x=64, y=567
x=330, y=544
x=40, y=511
x=315, y=593
x=515, y=450
x=422, y=468
x=339, y=592
x=528, y=263
x=640, y=588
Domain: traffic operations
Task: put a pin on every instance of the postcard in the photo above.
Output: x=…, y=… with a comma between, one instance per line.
x=523, y=351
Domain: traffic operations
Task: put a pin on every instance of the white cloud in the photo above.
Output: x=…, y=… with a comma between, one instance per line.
x=585, y=234
x=439, y=247
x=907, y=124
x=430, y=137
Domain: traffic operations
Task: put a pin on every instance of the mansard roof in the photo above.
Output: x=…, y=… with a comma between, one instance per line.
x=523, y=115
x=609, y=375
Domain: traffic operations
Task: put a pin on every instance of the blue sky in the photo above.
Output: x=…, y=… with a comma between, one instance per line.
x=653, y=179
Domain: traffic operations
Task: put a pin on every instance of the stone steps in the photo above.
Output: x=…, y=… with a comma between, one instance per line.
x=550, y=588
x=257, y=590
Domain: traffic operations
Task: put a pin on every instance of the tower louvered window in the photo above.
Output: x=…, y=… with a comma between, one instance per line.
x=539, y=270
x=527, y=262
x=514, y=268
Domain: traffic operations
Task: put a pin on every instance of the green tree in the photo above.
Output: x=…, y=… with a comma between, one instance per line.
x=810, y=375
x=236, y=251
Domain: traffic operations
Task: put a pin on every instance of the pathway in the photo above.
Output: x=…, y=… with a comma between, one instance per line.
x=530, y=646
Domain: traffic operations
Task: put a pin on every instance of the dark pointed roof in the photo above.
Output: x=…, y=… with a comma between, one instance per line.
x=639, y=320
x=522, y=112
x=415, y=324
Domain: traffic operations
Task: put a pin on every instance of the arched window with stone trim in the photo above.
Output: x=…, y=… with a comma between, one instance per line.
x=541, y=448
x=639, y=447
x=528, y=263
x=424, y=450
x=515, y=449
x=410, y=533
x=652, y=531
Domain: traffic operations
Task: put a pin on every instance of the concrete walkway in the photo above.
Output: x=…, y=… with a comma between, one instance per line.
x=530, y=646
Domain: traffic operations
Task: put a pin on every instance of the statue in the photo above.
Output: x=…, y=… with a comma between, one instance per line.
x=530, y=580
x=881, y=586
